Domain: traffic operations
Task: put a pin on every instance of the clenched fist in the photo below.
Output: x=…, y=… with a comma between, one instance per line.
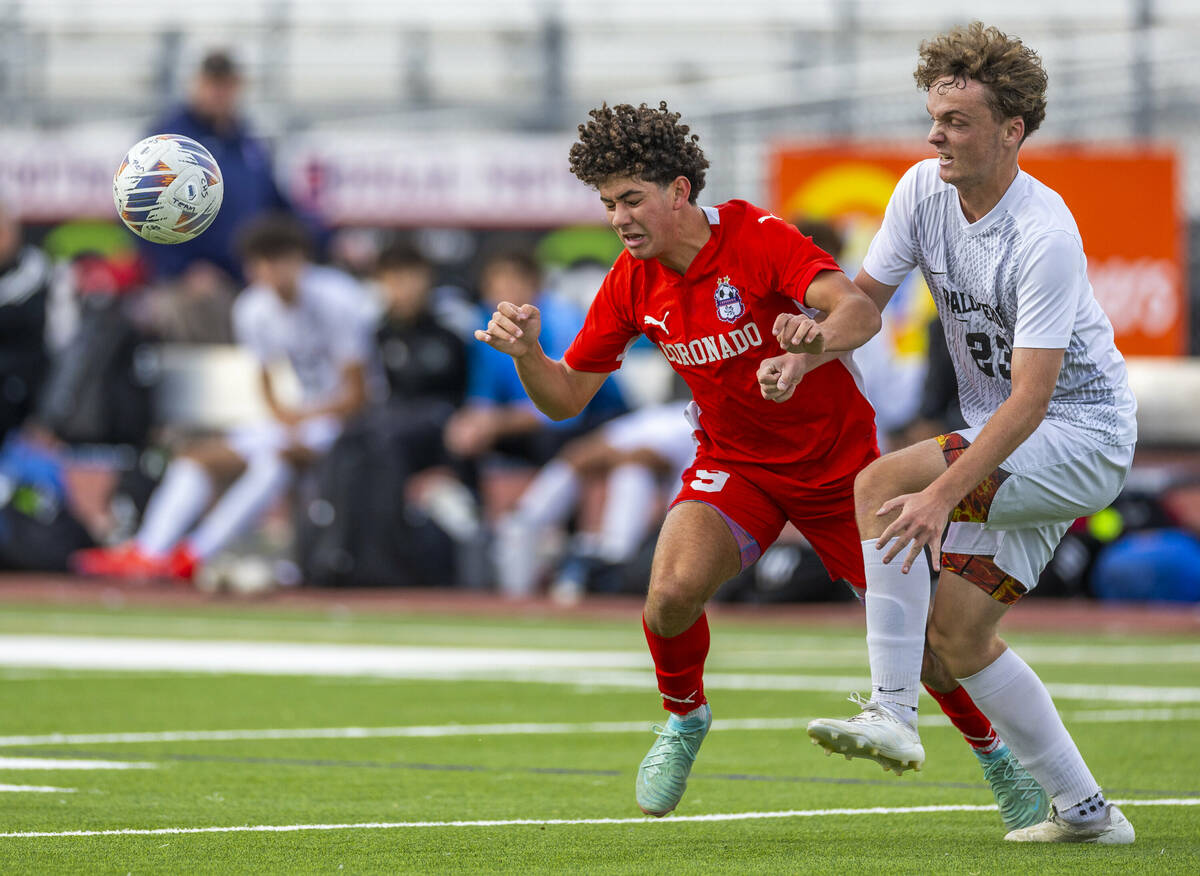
x=512, y=329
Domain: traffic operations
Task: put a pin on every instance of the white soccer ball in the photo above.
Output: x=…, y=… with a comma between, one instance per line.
x=168, y=189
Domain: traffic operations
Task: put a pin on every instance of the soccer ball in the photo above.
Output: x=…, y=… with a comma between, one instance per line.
x=168, y=189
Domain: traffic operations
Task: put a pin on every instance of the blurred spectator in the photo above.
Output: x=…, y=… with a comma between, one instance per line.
x=633, y=454
x=497, y=420
x=318, y=320
x=425, y=362
x=25, y=276
x=498, y=416
x=201, y=275
x=372, y=519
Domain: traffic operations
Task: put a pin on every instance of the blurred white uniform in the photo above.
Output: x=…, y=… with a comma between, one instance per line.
x=326, y=329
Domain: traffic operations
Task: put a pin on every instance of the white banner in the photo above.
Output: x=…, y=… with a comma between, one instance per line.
x=348, y=178
x=53, y=177
x=468, y=180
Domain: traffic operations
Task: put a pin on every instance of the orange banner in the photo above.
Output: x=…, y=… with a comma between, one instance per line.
x=1125, y=200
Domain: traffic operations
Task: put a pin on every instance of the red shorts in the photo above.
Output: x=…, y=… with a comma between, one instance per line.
x=757, y=500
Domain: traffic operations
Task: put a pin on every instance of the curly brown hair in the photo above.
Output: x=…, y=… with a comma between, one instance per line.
x=1011, y=71
x=642, y=142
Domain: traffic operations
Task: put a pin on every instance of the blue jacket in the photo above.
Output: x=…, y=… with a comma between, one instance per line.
x=250, y=190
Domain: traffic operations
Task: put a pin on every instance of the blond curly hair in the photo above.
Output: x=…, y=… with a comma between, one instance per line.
x=1011, y=72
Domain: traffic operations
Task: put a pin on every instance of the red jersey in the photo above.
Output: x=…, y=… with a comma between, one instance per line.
x=714, y=326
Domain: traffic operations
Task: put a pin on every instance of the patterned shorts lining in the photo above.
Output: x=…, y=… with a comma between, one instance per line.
x=981, y=571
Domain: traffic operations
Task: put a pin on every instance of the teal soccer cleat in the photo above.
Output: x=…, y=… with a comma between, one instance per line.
x=662, y=777
x=1020, y=799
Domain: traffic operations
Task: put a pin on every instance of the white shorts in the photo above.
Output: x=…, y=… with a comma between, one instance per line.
x=661, y=428
x=316, y=434
x=1019, y=514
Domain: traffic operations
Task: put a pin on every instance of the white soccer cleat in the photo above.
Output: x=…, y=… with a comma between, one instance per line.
x=875, y=733
x=1114, y=830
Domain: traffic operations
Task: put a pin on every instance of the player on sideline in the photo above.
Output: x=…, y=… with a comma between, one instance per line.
x=708, y=285
x=317, y=319
x=1051, y=426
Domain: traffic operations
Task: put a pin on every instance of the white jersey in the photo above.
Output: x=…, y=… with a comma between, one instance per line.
x=325, y=329
x=1017, y=277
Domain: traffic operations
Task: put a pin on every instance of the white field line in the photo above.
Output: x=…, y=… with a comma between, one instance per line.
x=436, y=731
x=1035, y=654
x=50, y=763
x=36, y=789
x=762, y=648
x=513, y=822
x=624, y=669
x=290, y=658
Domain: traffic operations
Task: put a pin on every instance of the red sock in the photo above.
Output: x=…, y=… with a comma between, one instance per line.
x=965, y=715
x=679, y=664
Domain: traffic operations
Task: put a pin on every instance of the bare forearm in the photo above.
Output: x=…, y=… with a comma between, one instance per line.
x=851, y=324
x=343, y=406
x=812, y=361
x=1014, y=421
x=548, y=385
x=350, y=397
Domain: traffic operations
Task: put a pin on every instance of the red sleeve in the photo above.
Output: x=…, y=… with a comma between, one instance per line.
x=610, y=326
x=792, y=259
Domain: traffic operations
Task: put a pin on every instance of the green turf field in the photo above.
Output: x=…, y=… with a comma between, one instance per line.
x=234, y=740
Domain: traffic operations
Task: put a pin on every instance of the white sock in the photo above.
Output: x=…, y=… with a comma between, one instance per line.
x=630, y=509
x=897, y=608
x=264, y=480
x=517, y=555
x=551, y=497
x=546, y=502
x=1018, y=704
x=174, y=506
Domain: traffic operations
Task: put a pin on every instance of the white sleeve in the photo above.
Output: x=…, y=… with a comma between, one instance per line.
x=1052, y=276
x=893, y=251
x=350, y=323
x=250, y=331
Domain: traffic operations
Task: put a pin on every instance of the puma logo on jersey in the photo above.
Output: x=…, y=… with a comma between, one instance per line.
x=661, y=323
x=713, y=348
x=762, y=219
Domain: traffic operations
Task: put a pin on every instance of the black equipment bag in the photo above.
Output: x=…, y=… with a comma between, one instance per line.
x=355, y=529
x=99, y=390
x=37, y=531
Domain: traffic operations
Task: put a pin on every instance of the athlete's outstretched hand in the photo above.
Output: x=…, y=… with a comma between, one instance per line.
x=779, y=376
x=799, y=333
x=512, y=329
x=922, y=518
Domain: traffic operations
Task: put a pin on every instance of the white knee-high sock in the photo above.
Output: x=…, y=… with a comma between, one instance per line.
x=263, y=481
x=1018, y=704
x=174, y=506
x=551, y=497
x=897, y=609
x=630, y=509
x=547, y=501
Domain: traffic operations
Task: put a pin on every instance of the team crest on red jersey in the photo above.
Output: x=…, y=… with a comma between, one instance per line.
x=730, y=306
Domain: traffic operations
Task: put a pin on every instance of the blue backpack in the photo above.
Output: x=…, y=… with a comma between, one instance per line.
x=1153, y=565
